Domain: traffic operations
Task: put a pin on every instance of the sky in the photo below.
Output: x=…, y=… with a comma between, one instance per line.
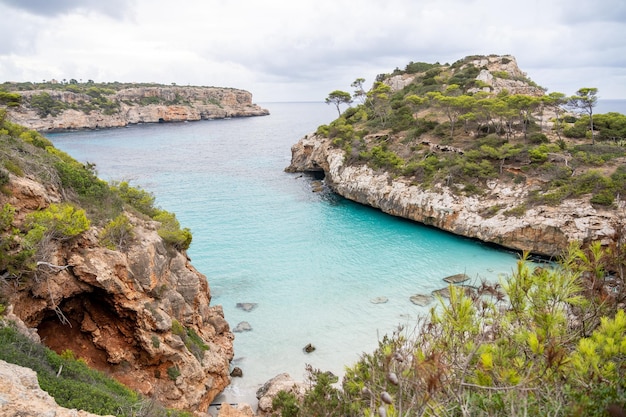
x=301, y=50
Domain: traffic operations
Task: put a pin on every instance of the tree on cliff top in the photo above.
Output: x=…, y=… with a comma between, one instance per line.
x=338, y=97
x=585, y=100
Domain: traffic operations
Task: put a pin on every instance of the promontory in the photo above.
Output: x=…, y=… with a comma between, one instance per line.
x=58, y=106
x=477, y=149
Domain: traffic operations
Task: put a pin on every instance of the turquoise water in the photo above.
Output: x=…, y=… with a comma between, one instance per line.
x=312, y=261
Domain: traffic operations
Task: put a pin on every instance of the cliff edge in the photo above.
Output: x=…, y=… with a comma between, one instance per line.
x=83, y=106
x=543, y=230
x=134, y=307
x=477, y=149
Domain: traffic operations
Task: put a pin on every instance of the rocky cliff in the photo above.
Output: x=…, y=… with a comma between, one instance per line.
x=544, y=230
x=91, y=108
x=143, y=315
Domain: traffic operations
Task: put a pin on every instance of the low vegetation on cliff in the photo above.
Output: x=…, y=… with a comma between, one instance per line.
x=90, y=96
x=478, y=120
x=30, y=234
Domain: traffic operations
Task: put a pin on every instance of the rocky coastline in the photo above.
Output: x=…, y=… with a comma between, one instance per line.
x=142, y=315
x=128, y=106
x=541, y=230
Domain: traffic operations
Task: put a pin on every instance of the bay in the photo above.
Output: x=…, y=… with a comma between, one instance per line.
x=316, y=265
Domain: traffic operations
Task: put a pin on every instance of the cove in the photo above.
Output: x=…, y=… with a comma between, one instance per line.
x=309, y=262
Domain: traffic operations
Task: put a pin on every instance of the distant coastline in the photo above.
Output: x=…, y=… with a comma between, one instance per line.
x=611, y=105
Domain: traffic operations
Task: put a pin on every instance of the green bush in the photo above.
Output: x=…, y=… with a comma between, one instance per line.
x=75, y=386
x=62, y=221
x=78, y=177
x=380, y=157
x=141, y=200
x=45, y=105
x=173, y=373
x=170, y=231
x=286, y=403
x=117, y=234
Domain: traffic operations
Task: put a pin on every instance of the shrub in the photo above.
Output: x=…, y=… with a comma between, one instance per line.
x=170, y=231
x=69, y=381
x=117, y=234
x=79, y=177
x=62, y=221
x=286, y=403
x=45, y=105
x=13, y=168
x=380, y=157
x=538, y=138
x=141, y=200
x=173, y=372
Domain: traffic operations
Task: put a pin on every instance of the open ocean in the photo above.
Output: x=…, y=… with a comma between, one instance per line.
x=312, y=261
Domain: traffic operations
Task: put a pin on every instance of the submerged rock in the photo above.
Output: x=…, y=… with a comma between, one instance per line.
x=421, y=300
x=456, y=279
x=243, y=326
x=247, y=306
x=379, y=300
x=309, y=348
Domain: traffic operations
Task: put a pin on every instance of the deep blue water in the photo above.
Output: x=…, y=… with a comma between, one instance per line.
x=312, y=261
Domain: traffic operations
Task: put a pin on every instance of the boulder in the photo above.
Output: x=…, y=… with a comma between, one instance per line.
x=269, y=390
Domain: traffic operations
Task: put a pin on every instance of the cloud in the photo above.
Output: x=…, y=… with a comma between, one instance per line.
x=113, y=8
x=286, y=50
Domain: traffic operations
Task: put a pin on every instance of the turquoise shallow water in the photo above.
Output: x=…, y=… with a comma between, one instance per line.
x=311, y=261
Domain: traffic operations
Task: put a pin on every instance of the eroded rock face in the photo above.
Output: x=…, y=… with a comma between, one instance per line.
x=143, y=315
x=168, y=104
x=543, y=230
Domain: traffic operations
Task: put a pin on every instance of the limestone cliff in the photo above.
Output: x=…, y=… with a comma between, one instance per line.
x=143, y=315
x=544, y=230
x=477, y=149
x=93, y=108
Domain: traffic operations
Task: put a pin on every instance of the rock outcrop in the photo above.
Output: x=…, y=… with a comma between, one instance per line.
x=543, y=230
x=142, y=315
x=134, y=105
x=497, y=73
x=20, y=395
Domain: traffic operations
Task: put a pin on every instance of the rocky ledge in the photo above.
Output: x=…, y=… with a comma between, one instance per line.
x=542, y=230
x=142, y=315
x=107, y=108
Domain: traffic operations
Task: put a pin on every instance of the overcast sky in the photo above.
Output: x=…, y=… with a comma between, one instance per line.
x=300, y=50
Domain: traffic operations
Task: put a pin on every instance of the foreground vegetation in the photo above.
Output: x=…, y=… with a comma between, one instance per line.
x=548, y=341
x=72, y=383
x=482, y=135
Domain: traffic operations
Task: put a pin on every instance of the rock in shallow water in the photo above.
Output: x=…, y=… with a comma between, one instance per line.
x=244, y=326
x=247, y=306
x=455, y=279
x=421, y=300
x=379, y=300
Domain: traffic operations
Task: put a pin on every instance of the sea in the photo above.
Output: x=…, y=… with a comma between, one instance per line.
x=317, y=268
